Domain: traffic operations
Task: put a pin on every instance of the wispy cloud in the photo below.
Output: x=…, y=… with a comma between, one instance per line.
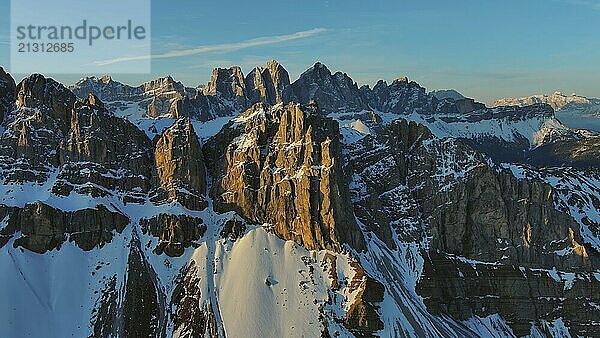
x=219, y=48
x=593, y=4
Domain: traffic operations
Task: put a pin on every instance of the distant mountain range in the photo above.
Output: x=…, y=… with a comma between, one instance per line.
x=574, y=110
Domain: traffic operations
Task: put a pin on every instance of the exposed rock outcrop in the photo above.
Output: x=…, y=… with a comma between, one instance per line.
x=473, y=217
x=143, y=312
x=228, y=83
x=401, y=97
x=43, y=228
x=233, y=229
x=190, y=318
x=522, y=296
x=379, y=189
x=107, y=89
x=165, y=93
x=175, y=233
x=180, y=167
x=282, y=166
x=362, y=317
x=99, y=160
x=105, y=313
x=8, y=93
x=46, y=95
x=495, y=217
x=28, y=146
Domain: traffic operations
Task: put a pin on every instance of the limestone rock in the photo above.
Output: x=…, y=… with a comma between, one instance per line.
x=8, y=93
x=462, y=289
x=109, y=152
x=180, y=167
x=28, y=147
x=270, y=84
x=362, y=317
x=165, y=93
x=401, y=97
x=106, y=89
x=143, y=313
x=175, y=233
x=189, y=319
x=46, y=95
x=233, y=229
x=45, y=228
x=378, y=192
x=494, y=243
x=229, y=85
x=283, y=166
x=332, y=92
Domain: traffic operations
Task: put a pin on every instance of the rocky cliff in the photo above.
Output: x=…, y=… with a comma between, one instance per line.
x=98, y=161
x=269, y=84
x=283, y=166
x=8, y=93
x=180, y=167
x=475, y=220
x=39, y=227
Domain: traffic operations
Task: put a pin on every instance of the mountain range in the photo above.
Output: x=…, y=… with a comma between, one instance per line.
x=574, y=110
x=254, y=206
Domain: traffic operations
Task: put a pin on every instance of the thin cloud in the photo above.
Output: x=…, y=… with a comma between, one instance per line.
x=219, y=48
x=587, y=3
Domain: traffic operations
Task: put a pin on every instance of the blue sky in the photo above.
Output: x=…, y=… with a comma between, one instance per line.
x=484, y=49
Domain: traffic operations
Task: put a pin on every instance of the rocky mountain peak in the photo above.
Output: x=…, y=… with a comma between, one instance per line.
x=400, y=97
x=402, y=79
x=380, y=85
x=46, y=95
x=334, y=92
x=447, y=94
x=107, y=79
x=163, y=85
x=180, y=166
x=93, y=101
x=228, y=84
x=273, y=65
x=227, y=81
x=319, y=66
x=268, y=84
x=8, y=93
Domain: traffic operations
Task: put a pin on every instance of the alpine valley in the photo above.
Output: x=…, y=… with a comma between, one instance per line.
x=254, y=206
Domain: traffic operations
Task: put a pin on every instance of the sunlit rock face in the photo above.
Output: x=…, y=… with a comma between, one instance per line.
x=180, y=167
x=269, y=84
x=282, y=166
